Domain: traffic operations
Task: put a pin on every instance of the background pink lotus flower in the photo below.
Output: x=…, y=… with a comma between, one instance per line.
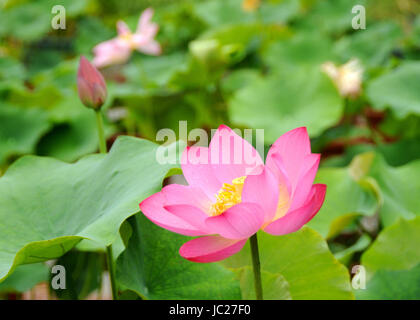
x=119, y=49
x=91, y=85
x=232, y=194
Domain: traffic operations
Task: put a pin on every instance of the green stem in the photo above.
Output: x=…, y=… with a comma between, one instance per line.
x=102, y=148
x=111, y=269
x=256, y=267
x=259, y=16
x=101, y=135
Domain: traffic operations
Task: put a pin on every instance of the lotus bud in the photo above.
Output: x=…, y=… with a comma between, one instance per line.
x=206, y=51
x=91, y=85
x=233, y=53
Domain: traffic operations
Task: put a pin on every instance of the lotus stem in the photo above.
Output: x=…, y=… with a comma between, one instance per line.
x=256, y=267
x=111, y=270
x=101, y=135
x=102, y=149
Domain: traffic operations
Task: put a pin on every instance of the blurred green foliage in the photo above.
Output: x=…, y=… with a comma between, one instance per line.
x=260, y=70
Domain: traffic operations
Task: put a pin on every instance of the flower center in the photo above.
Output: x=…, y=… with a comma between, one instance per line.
x=228, y=196
x=127, y=36
x=129, y=39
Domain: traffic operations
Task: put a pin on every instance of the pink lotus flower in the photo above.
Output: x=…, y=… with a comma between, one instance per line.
x=90, y=85
x=233, y=194
x=119, y=49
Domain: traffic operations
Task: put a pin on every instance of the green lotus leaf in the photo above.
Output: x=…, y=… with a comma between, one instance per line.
x=48, y=206
x=372, y=46
x=25, y=278
x=392, y=263
x=395, y=185
x=73, y=138
x=18, y=19
x=302, y=96
x=337, y=211
x=305, y=262
x=331, y=17
x=294, y=51
x=398, y=90
x=392, y=285
x=20, y=130
x=396, y=247
x=218, y=13
x=152, y=267
x=275, y=285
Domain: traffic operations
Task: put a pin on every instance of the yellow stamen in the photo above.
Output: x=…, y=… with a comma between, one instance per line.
x=228, y=196
x=127, y=36
x=129, y=39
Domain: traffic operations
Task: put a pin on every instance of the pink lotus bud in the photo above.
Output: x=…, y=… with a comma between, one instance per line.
x=91, y=85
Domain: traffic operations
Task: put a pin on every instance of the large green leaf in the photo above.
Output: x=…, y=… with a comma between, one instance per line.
x=220, y=12
x=91, y=30
x=157, y=71
x=392, y=285
x=18, y=20
x=396, y=247
x=20, y=130
x=47, y=206
x=278, y=11
x=396, y=186
x=73, y=138
x=25, y=278
x=398, y=90
x=278, y=103
x=275, y=285
x=305, y=262
x=152, y=267
x=295, y=51
x=338, y=211
x=330, y=16
x=238, y=79
x=11, y=69
x=393, y=263
x=372, y=46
